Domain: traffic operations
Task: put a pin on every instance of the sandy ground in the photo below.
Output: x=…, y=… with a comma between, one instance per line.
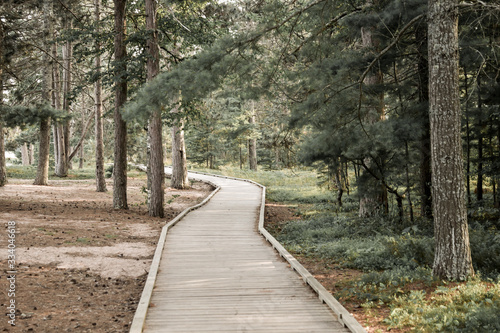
x=80, y=264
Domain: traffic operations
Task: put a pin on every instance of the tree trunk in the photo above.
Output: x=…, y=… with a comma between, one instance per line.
x=156, y=169
x=3, y=170
x=479, y=131
x=25, y=157
x=67, y=52
x=467, y=138
x=61, y=168
x=252, y=146
x=99, y=140
x=452, y=258
x=42, y=173
x=120, y=162
x=373, y=195
x=425, y=142
x=179, y=164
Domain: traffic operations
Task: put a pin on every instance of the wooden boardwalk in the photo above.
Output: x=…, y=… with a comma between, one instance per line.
x=218, y=274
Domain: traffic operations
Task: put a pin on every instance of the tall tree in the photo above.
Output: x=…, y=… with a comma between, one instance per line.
x=155, y=163
x=42, y=175
x=120, y=162
x=3, y=171
x=452, y=251
x=99, y=141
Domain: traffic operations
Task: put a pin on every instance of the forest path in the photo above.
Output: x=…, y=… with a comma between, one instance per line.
x=218, y=274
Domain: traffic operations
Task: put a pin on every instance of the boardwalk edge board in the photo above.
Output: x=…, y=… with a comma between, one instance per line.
x=344, y=317
x=142, y=308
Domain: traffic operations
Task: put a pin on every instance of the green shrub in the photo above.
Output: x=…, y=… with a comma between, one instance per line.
x=472, y=307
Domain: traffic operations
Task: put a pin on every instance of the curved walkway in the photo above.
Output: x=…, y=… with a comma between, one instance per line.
x=218, y=274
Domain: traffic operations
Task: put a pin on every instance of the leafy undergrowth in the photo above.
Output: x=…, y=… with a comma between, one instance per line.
x=394, y=289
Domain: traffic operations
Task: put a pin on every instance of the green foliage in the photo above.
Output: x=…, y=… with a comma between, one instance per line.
x=472, y=307
x=21, y=116
x=29, y=172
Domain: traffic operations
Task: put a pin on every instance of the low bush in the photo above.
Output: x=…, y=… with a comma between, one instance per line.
x=467, y=308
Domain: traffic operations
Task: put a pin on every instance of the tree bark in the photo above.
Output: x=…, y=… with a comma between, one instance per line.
x=480, y=141
x=120, y=162
x=25, y=158
x=42, y=173
x=252, y=145
x=3, y=169
x=179, y=164
x=452, y=258
x=373, y=194
x=425, y=142
x=61, y=161
x=99, y=136
x=156, y=169
x=67, y=52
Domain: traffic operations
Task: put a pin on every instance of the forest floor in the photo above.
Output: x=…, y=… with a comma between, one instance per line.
x=334, y=278
x=81, y=265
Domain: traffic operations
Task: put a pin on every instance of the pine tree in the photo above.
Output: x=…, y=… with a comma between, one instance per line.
x=120, y=162
x=452, y=251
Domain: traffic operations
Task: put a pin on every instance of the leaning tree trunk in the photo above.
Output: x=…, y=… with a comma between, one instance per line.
x=373, y=194
x=120, y=163
x=452, y=258
x=42, y=173
x=99, y=137
x=156, y=170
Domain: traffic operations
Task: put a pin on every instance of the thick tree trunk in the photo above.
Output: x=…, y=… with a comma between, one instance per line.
x=452, y=258
x=179, y=164
x=42, y=173
x=120, y=163
x=373, y=195
x=99, y=137
x=156, y=169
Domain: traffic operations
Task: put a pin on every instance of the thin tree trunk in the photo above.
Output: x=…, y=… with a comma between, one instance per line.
x=120, y=162
x=99, y=140
x=425, y=142
x=479, y=186
x=452, y=259
x=25, y=158
x=179, y=164
x=467, y=140
x=252, y=145
x=67, y=52
x=61, y=169
x=156, y=169
x=3, y=169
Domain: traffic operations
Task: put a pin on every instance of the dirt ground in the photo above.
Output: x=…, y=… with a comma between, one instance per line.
x=80, y=264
